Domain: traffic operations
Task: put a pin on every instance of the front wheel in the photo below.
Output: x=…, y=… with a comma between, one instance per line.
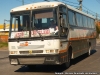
x=67, y=64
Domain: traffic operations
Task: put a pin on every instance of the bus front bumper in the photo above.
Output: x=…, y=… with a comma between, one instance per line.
x=35, y=59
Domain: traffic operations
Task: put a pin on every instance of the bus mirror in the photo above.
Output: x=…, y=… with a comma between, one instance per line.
x=62, y=22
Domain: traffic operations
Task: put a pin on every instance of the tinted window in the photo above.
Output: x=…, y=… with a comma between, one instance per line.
x=79, y=19
x=92, y=23
x=85, y=21
x=89, y=22
x=71, y=18
x=44, y=18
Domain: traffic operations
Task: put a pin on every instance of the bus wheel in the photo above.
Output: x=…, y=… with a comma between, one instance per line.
x=67, y=64
x=89, y=52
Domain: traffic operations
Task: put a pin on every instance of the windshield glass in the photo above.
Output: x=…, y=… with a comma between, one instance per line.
x=45, y=22
x=40, y=23
x=20, y=24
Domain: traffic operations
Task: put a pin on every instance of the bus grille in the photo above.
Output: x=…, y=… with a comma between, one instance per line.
x=34, y=51
x=39, y=60
x=31, y=47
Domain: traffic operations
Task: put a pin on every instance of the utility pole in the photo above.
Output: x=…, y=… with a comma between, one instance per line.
x=46, y=0
x=80, y=3
x=96, y=16
x=22, y=2
x=5, y=23
x=49, y=0
x=87, y=11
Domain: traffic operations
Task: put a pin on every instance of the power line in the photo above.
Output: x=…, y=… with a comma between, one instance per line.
x=88, y=9
x=21, y=1
x=91, y=12
x=72, y=5
x=69, y=1
x=98, y=1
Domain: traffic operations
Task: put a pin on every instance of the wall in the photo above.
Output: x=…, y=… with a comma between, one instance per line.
x=3, y=38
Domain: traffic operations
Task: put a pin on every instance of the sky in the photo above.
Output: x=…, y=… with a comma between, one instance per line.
x=6, y=5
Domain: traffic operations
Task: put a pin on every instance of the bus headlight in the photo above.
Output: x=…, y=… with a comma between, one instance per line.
x=47, y=51
x=13, y=52
x=52, y=51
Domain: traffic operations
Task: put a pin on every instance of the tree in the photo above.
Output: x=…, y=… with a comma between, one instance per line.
x=97, y=31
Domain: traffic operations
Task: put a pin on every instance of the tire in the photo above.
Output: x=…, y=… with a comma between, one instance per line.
x=67, y=64
x=89, y=52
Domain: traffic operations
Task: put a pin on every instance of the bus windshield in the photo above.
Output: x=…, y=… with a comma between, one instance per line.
x=45, y=22
x=20, y=24
x=40, y=22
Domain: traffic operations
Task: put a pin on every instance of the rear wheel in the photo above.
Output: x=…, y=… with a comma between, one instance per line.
x=89, y=52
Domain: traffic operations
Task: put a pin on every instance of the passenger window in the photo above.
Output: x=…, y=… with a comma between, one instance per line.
x=71, y=18
x=79, y=20
x=92, y=22
x=85, y=21
x=89, y=22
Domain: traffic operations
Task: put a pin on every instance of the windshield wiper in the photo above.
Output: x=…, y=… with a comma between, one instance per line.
x=42, y=38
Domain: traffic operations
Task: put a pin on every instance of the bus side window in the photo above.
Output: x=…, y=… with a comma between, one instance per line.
x=79, y=20
x=89, y=22
x=71, y=17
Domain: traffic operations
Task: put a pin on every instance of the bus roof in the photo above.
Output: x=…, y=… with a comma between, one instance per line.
x=40, y=5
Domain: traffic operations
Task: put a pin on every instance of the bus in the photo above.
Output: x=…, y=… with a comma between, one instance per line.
x=33, y=41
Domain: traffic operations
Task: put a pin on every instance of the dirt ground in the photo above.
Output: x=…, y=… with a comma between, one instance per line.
x=4, y=48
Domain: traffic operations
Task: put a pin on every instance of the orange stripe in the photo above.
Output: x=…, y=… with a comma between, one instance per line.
x=80, y=38
x=62, y=51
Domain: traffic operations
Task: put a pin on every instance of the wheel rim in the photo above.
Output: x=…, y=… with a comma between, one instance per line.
x=89, y=51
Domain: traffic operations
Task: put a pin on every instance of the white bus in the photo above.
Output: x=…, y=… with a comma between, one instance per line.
x=49, y=33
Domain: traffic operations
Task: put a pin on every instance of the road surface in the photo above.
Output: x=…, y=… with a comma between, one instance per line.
x=81, y=65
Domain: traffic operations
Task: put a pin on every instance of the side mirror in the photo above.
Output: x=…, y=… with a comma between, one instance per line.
x=62, y=21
